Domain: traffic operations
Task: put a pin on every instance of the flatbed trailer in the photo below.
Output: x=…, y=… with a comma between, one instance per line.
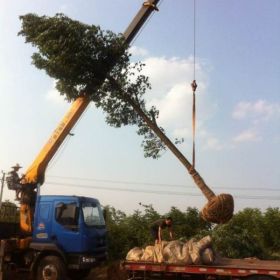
x=224, y=268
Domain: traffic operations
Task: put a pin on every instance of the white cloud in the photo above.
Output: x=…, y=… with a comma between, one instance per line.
x=165, y=73
x=171, y=91
x=54, y=96
x=213, y=143
x=172, y=94
x=210, y=142
x=258, y=110
x=257, y=113
x=249, y=135
x=137, y=51
x=183, y=132
x=174, y=106
x=241, y=110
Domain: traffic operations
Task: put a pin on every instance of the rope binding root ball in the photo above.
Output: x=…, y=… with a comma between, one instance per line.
x=219, y=209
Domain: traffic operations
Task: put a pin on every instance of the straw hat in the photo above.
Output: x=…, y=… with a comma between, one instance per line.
x=17, y=166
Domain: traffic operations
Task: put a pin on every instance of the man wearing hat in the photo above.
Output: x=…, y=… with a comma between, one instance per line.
x=13, y=180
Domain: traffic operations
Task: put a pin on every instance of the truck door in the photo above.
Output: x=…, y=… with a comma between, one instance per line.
x=65, y=230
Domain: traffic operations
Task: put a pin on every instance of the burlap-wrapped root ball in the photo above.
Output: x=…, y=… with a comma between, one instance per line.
x=219, y=209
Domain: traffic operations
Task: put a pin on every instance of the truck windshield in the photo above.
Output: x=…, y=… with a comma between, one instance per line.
x=93, y=215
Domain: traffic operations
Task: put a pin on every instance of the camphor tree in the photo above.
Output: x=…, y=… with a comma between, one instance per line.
x=87, y=61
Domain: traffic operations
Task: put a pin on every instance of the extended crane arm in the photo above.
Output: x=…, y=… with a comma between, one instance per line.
x=34, y=176
x=36, y=172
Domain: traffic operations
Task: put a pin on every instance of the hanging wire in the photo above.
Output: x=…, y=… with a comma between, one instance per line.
x=194, y=84
x=153, y=191
x=194, y=38
x=66, y=179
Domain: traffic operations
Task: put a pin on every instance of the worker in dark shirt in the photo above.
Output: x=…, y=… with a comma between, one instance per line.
x=158, y=226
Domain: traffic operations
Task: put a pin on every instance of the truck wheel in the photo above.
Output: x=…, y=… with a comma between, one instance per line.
x=51, y=268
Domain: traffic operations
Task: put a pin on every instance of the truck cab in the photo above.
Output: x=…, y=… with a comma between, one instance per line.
x=72, y=227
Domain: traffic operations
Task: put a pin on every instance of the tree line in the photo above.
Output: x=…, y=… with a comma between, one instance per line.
x=250, y=232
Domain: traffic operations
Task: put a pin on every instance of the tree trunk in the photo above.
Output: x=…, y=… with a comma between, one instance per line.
x=209, y=194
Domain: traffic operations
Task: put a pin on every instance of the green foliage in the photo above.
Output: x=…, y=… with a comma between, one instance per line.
x=250, y=233
x=77, y=55
x=188, y=224
x=246, y=235
x=271, y=233
x=239, y=244
x=9, y=212
x=128, y=231
x=117, y=232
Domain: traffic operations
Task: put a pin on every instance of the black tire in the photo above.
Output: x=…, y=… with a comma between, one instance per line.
x=79, y=274
x=51, y=268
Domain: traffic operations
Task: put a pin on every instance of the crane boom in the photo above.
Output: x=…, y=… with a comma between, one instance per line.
x=35, y=173
x=34, y=176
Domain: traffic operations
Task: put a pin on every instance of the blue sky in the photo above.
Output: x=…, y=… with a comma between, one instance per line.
x=238, y=105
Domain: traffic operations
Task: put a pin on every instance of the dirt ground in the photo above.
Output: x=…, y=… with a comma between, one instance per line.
x=112, y=271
